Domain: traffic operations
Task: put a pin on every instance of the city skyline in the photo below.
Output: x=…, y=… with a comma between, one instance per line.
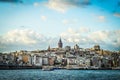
x=36, y=24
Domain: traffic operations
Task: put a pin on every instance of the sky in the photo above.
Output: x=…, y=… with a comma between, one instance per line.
x=36, y=24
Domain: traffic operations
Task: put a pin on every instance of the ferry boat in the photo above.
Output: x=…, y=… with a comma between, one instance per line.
x=47, y=68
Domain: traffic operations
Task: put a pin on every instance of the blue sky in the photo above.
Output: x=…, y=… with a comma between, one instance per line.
x=35, y=24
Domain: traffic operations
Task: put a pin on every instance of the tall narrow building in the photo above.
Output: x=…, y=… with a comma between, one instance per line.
x=48, y=48
x=60, y=44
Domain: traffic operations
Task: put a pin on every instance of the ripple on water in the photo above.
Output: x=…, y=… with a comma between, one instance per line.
x=36, y=74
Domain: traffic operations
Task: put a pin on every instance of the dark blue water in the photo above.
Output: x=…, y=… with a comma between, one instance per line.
x=36, y=74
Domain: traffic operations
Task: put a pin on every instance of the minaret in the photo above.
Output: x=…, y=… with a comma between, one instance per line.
x=60, y=44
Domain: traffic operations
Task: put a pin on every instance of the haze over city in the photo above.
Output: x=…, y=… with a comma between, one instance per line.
x=36, y=24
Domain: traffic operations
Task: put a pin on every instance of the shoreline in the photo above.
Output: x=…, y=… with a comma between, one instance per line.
x=39, y=67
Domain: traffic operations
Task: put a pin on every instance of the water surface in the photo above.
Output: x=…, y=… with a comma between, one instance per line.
x=37, y=74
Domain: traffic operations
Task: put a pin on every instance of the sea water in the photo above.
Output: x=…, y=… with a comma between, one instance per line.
x=37, y=74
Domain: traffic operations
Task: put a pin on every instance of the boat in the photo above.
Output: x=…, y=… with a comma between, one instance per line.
x=47, y=68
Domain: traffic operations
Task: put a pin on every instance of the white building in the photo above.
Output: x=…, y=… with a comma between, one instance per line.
x=36, y=60
x=71, y=60
x=45, y=60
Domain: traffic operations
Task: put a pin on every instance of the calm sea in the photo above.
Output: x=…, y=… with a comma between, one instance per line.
x=36, y=74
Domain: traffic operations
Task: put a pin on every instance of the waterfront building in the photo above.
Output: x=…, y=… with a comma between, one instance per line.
x=119, y=61
x=37, y=60
x=71, y=60
x=96, y=61
x=60, y=54
x=81, y=61
x=64, y=62
x=25, y=59
x=10, y=59
x=1, y=58
x=72, y=63
x=106, y=62
x=51, y=61
x=19, y=57
x=87, y=62
x=115, y=57
x=45, y=60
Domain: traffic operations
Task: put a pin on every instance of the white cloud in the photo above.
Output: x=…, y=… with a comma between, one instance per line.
x=84, y=36
x=72, y=35
x=84, y=30
x=101, y=18
x=36, y=4
x=57, y=5
x=43, y=18
x=65, y=21
x=69, y=21
x=117, y=14
x=63, y=5
x=25, y=39
x=21, y=37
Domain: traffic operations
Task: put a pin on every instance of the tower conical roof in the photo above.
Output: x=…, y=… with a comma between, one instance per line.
x=48, y=48
x=60, y=44
x=60, y=41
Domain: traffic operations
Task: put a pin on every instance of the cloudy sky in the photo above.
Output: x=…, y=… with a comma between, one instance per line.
x=35, y=24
